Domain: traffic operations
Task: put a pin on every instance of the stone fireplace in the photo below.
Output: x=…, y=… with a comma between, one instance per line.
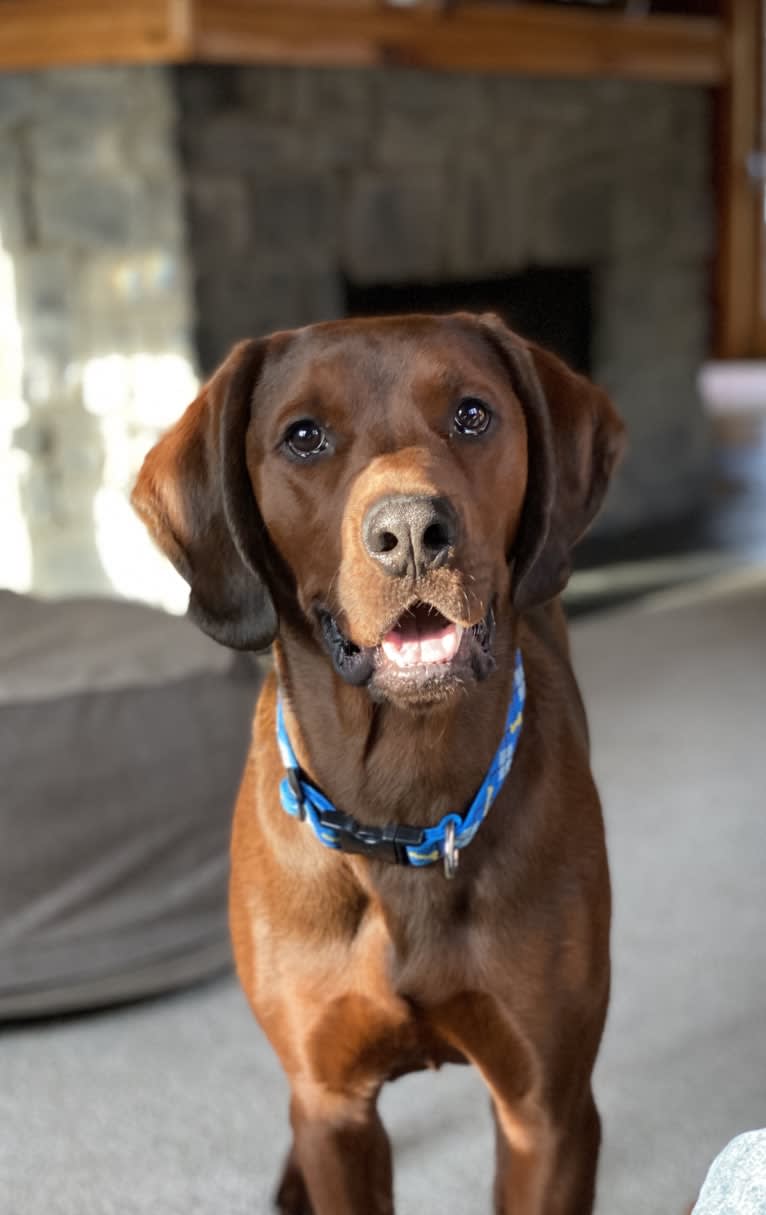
x=390, y=177
x=154, y=216
x=551, y=306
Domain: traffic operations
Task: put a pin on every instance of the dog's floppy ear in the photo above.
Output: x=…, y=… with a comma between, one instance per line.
x=195, y=496
x=575, y=439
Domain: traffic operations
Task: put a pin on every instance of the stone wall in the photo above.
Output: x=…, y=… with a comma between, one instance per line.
x=295, y=178
x=92, y=225
x=137, y=204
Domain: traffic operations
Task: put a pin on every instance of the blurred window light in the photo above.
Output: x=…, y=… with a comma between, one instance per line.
x=15, y=553
x=134, y=567
x=135, y=397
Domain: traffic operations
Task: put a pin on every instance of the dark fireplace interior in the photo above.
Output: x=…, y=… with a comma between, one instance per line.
x=549, y=305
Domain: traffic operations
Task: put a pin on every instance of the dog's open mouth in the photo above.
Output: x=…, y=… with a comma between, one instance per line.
x=423, y=653
x=420, y=636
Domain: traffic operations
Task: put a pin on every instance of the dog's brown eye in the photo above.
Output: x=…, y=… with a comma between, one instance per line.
x=306, y=438
x=472, y=416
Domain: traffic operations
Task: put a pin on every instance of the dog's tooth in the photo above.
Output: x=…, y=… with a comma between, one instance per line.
x=413, y=652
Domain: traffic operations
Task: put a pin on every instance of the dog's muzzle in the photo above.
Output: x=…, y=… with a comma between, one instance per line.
x=422, y=651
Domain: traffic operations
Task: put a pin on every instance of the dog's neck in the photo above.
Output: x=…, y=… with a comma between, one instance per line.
x=381, y=763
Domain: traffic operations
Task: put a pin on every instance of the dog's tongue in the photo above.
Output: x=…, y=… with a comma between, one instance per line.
x=417, y=640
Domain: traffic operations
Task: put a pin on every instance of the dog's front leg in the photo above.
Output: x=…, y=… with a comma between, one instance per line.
x=522, y=1160
x=547, y=1148
x=551, y=1170
x=342, y=1153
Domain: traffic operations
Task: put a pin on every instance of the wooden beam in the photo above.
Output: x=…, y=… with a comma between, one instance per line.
x=482, y=36
x=740, y=201
x=524, y=38
x=59, y=33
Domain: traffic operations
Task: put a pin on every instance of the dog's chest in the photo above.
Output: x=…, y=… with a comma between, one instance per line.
x=358, y=1026
x=358, y=1041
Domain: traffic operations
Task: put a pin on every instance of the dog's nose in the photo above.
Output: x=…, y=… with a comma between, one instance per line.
x=409, y=535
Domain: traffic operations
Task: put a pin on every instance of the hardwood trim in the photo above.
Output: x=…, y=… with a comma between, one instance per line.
x=759, y=302
x=481, y=36
x=59, y=33
x=525, y=38
x=740, y=202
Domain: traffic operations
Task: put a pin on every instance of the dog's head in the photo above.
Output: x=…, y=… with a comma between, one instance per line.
x=384, y=487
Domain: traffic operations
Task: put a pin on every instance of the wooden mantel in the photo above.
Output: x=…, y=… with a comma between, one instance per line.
x=482, y=36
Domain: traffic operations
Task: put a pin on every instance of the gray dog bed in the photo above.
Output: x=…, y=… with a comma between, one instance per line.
x=122, y=737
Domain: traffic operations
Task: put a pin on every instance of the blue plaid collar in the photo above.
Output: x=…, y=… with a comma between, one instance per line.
x=398, y=844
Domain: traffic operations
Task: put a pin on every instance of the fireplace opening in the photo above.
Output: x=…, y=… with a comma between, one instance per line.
x=548, y=305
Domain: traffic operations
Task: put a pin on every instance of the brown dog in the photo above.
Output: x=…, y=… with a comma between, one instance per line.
x=393, y=503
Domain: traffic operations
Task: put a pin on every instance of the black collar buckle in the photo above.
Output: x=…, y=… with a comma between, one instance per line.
x=294, y=781
x=387, y=843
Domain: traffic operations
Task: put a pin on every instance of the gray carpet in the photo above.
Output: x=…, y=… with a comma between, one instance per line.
x=175, y=1107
